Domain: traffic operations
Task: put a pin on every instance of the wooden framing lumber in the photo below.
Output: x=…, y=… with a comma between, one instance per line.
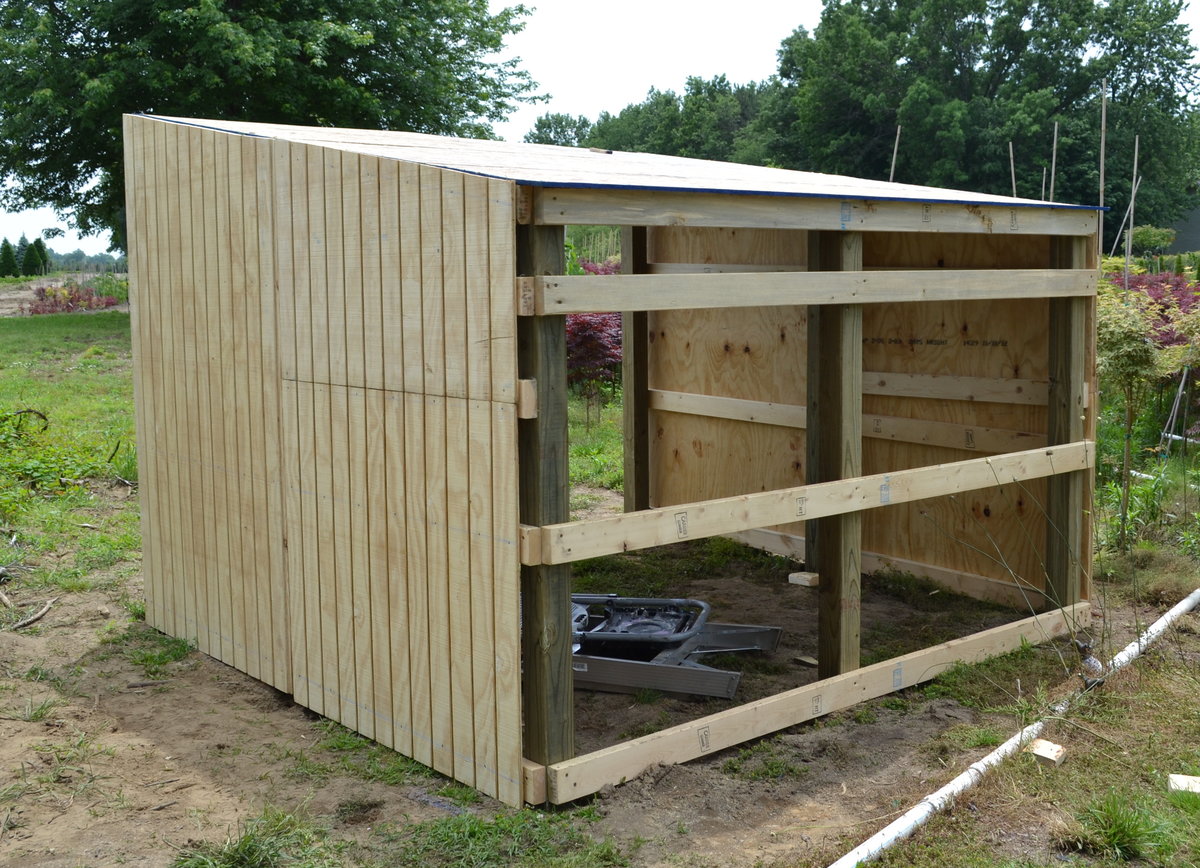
x=997, y=390
x=1067, y=421
x=834, y=446
x=544, y=498
x=634, y=292
x=584, y=775
x=635, y=361
x=563, y=206
x=575, y=541
x=873, y=426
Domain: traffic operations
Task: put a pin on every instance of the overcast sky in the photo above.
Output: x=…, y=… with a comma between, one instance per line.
x=594, y=57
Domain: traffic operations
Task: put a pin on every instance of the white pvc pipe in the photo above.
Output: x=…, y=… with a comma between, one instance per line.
x=916, y=816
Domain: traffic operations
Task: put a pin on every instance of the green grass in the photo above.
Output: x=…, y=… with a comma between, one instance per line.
x=597, y=444
x=275, y=838
x=530, y=838
x=153, y=652
x=362, y=758
x=75, y=371
x=763, y=761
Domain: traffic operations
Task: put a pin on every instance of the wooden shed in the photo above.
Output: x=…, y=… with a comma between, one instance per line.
x=351, y=411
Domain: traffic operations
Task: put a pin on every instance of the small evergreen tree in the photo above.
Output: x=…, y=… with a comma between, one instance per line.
x=31, y=263
x=8, y=259
x=22, y=246
x=43, y=255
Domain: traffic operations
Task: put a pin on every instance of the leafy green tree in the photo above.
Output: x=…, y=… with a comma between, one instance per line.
x=69, y=68
x=554, y=128
x=1151, y=240
x=8, y=259
x=710, y=120
x=963, y=78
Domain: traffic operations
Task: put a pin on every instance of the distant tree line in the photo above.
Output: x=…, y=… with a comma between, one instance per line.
x=30, y=258
x=963, y=79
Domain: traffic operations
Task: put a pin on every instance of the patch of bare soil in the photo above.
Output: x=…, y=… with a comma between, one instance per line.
x=122, y=768
x=13, y=297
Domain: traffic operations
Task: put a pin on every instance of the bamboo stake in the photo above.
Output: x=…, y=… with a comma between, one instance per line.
x=895, y=150
x=1053, y=160
x=1103, y=141
x=1132, y=199
x=1012, y=169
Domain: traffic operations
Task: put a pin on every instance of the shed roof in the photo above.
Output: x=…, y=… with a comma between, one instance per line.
x=556, y=166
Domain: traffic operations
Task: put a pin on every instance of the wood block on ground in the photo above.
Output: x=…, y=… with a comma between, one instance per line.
x=1047, y=752
x=809, y=580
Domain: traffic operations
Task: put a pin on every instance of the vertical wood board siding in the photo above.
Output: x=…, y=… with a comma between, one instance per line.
x=208, y=395
x=325, y=382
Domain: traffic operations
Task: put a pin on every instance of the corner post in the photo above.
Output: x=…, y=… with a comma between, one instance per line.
x=1067, y=423
x=635, y=382
x=547, y=684
x=834, y=451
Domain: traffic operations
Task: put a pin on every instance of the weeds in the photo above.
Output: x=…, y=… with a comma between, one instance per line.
x=273, y=838
x=367, y=760
x=762, y=761
x=524, y=837
x=1118, y=827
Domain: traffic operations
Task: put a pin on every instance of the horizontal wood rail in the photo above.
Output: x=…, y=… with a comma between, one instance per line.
x=587, y=774
x=567, y=206
x=879, y=427
x=575, y=541
x=557, y=294
x=946, y=387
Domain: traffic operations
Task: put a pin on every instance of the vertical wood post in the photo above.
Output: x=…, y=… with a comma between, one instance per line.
x=547, y=686
x=1067, y=423
x=834, y=451
x=635, y=394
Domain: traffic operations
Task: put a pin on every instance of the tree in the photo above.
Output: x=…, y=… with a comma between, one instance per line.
x=69, y=68
x=43, y=255
x=8, y=259
x=31, y=263
x=963, y=78
x=19, y=253
x=554, y=128
x=710, y=121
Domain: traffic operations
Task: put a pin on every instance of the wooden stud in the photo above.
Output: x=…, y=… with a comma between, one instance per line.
x=638, y=292
x=587, y=774
x=635, y=383
x=834, y=446
x=1065, y=496
x=544, y=491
